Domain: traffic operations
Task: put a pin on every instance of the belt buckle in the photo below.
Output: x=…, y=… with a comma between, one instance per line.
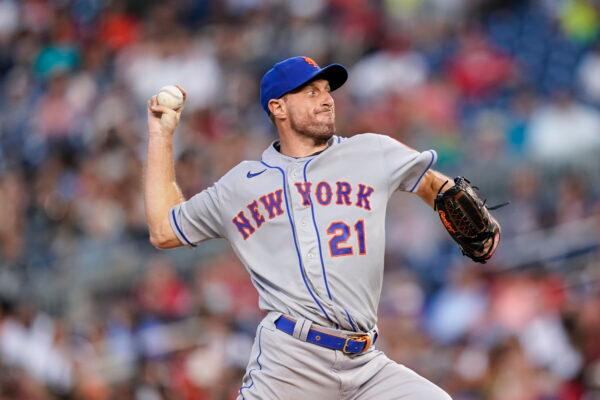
x=357, y=338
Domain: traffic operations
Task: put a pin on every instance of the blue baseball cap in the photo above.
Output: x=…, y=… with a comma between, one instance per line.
x=290, y=74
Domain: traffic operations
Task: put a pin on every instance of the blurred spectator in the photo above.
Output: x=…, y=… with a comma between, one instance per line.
x=525, y=212
x=579, y=20
x=60, y=54
x=9, y=19
x=394, y=69
x=564, y=132
x=172, y=57
x=36, y=343
x=56, y=119
x=162, y=294
x=477, y=68
x=12, y=215
x=457, y=309
x=589, y=76
x=521, y=110
x=434, y=106
x=118, y=29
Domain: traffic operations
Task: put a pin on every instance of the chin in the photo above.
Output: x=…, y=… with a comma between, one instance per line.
x=324, y=136
x=324, y=130
x=320, y=131
x=318, y=134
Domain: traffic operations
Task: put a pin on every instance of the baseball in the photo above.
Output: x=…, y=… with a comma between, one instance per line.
x=170, y=96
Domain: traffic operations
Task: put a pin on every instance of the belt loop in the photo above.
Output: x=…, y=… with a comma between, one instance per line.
x=298, y=327
x=305, y=329
x=373, y=334
x=301, y=328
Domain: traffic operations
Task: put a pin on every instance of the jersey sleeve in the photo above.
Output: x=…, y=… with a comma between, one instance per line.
x=198, y=218
x=405, y=166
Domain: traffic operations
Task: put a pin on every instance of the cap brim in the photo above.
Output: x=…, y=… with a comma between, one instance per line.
x=335, y=74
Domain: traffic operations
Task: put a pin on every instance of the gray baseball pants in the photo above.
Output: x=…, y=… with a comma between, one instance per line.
x=285, y=368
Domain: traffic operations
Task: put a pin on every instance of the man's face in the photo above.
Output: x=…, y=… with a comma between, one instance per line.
x=311, y=110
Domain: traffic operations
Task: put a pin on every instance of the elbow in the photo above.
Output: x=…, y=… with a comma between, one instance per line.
x=159, y=242
x=162, y=236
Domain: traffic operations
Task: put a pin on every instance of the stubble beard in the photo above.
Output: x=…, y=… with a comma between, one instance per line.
x=320, y=133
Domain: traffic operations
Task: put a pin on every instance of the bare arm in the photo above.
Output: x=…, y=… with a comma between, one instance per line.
x=431, y=184
x=160, y=187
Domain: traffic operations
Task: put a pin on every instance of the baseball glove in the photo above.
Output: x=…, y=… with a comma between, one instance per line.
x=468, y=221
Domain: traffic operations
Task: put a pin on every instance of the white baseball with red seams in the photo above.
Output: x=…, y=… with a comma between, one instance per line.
x=170, y=96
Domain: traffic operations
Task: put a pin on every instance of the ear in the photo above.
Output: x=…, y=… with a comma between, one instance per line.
x=277, y=108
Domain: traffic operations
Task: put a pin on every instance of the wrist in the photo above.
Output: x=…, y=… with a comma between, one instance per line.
x=160, y=135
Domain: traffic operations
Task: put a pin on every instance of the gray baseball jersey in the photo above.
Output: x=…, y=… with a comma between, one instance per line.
x=311, y=230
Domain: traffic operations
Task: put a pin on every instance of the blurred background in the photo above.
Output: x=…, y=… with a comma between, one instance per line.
x=507, y=92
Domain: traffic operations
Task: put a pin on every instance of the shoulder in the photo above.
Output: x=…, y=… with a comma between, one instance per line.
x=361, y=138
x=374, y=140
x=362, y=141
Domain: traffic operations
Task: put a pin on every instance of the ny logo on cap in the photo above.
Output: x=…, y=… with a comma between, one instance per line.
x=311, y=62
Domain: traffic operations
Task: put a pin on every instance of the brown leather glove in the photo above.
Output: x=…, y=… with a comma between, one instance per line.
x=468, y=220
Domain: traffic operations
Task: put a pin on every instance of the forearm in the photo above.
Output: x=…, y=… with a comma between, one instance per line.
x=431, y=184
x=160, y=187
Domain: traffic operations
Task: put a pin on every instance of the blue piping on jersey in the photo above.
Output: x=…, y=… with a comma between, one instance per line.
x=350, y=320
x=179, y=229
x=426, y=169
x=287, y=207
x=312, y=211
x=257, y=361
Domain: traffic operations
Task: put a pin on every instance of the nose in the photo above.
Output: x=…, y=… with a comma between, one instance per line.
x=327, y=100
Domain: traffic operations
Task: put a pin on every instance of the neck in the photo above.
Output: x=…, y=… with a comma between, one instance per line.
x=295, y=145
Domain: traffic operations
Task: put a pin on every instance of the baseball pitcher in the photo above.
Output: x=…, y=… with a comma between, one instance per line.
x=307, y=220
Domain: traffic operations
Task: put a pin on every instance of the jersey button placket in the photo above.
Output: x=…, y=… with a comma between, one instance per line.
x=307, y=240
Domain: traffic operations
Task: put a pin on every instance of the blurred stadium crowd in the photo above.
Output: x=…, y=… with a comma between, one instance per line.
x=507, y=92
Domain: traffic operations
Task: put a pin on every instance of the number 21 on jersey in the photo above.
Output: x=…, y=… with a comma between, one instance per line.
x=340, y=232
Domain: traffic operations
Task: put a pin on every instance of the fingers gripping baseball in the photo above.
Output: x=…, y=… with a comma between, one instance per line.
x=161, y=119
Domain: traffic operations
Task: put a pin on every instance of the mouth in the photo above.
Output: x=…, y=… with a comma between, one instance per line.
x=325, y=112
